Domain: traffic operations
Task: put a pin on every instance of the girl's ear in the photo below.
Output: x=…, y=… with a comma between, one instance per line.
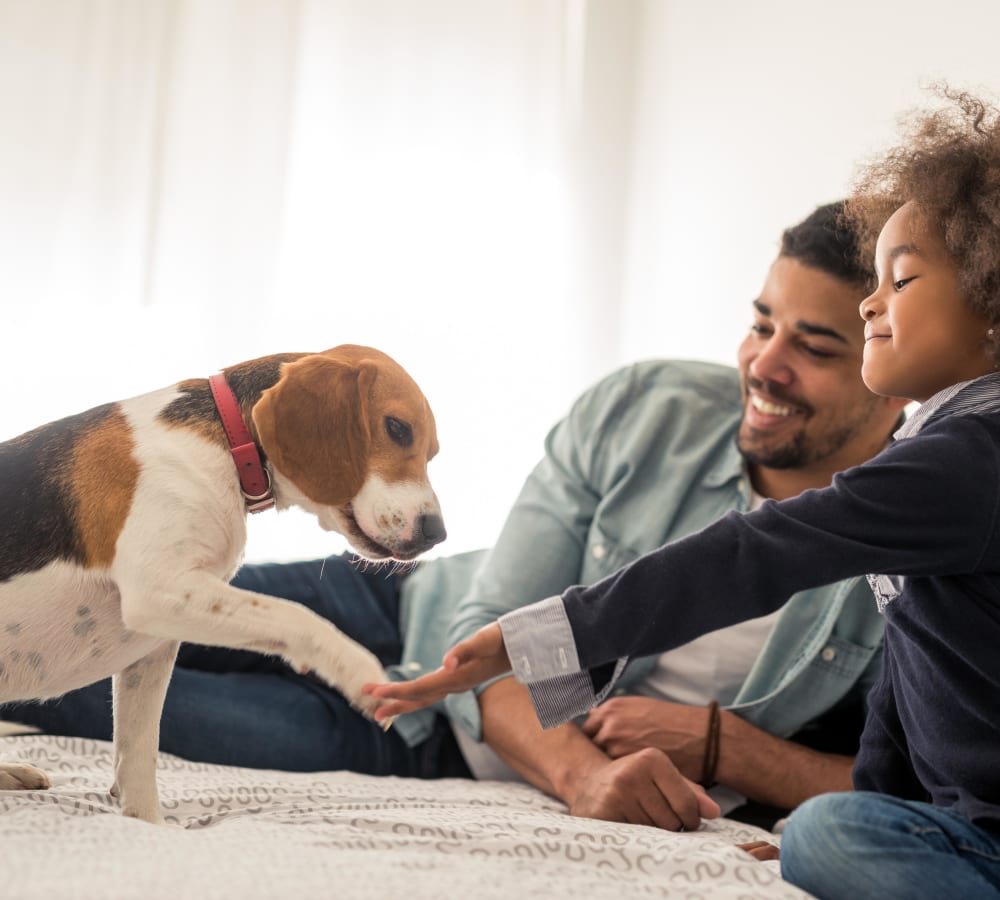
x=314, y=427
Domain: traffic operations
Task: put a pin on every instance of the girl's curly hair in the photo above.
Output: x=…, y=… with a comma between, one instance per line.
x=949, y=166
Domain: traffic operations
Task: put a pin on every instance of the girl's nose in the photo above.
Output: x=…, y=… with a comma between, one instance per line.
x=867, y=308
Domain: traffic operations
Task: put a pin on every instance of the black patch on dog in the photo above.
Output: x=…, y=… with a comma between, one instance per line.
x=250, y=379
x=195, y=402
x=38, y=524
x=246, y=380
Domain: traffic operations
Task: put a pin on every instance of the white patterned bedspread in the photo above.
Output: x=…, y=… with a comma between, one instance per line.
x=249, y=834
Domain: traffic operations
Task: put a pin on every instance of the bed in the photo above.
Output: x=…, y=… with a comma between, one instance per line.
x=243, y=833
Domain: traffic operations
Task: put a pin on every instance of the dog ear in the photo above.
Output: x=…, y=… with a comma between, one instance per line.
x=313, y=426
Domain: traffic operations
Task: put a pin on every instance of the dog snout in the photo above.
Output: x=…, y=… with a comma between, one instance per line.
x=429, y=530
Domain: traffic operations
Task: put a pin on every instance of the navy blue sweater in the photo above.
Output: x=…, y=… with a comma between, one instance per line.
x=925, y=512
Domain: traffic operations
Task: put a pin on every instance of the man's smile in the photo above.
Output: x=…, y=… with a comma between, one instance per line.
x=765, y=407
x=769, y=407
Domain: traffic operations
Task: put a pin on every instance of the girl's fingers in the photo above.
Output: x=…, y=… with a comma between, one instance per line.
x=480, y=658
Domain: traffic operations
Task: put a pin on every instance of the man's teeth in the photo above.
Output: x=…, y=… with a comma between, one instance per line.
x=768, y=408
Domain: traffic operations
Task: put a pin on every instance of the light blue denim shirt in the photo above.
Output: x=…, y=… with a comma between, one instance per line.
x=646, y=456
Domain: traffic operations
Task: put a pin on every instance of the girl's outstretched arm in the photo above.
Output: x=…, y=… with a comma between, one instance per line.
x=480, y=658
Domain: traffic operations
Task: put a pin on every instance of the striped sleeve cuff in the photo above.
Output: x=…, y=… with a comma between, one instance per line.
x=539, y=642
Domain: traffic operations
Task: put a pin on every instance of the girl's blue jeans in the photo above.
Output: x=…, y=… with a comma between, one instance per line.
x=862, y=844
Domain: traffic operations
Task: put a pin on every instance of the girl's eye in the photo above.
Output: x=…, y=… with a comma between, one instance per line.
x=760, y=329
x=902, y=283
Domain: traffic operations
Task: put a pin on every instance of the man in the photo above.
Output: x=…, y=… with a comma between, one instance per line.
x=653, y=452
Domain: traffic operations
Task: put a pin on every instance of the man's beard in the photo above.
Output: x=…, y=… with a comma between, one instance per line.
x=799, y=451
x=793, y=454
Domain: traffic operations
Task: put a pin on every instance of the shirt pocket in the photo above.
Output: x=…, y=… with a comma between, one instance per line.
x=786, y=703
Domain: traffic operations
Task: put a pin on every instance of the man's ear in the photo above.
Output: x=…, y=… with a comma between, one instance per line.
x=313, y=425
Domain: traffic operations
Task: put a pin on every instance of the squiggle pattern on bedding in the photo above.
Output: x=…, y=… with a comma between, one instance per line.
x=264, y=834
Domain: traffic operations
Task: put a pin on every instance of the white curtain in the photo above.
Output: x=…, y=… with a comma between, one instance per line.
x=188, y=183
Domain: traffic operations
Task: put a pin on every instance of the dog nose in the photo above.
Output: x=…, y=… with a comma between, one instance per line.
x=429, y=530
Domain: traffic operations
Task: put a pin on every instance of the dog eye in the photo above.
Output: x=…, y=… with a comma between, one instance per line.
x=399, y=432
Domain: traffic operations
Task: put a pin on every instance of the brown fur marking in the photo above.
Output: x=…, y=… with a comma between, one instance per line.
x=322, y=424
x=103, y=478
x=313, y=425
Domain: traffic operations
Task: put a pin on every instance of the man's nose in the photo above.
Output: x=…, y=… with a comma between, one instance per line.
x=773, y=363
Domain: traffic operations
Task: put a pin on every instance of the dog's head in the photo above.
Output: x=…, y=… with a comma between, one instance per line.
x=349, y=434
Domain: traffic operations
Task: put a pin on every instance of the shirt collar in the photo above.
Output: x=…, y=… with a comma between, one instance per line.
x=967, y=396
x=727, y=467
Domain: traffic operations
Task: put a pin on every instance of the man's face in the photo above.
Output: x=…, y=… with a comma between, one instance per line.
x=805, y=404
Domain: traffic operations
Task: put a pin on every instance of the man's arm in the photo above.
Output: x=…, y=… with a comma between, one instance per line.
x=642, y=788
x=758, y=765
x=774, y=771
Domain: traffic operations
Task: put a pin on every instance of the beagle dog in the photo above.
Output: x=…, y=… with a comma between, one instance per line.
x=123, y=525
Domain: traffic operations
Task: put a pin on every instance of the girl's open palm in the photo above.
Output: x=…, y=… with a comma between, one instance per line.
x=480, y=658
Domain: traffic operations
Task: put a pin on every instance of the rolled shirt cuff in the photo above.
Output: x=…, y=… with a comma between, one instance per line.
x=539, y=642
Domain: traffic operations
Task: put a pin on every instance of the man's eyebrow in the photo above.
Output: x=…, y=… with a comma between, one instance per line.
x=810, y=328
x=820, y=331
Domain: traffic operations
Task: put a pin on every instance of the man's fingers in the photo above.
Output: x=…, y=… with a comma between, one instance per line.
x=761, y=850
x=687, y=801
x=658, y=811
x=707, y=807
x=683, y=804
x=592, y=724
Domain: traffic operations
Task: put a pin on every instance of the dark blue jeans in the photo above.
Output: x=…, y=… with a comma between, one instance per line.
x=241, y=708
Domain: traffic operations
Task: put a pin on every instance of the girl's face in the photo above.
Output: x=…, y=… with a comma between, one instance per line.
x=920, y=334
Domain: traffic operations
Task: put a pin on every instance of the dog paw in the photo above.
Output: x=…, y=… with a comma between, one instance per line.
x=353, y=667
x=353, y=681
x=153, y=816
x=16, y=777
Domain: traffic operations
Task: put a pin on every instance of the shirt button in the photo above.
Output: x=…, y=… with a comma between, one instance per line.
x=598, y=551
x=828, y=654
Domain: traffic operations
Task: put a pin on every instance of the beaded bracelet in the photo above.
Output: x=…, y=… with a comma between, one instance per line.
x=711, y=760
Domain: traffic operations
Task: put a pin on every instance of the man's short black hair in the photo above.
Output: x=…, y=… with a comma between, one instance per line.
x=824, y=240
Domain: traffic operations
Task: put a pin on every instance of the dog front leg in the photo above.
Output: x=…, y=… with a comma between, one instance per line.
x=137, y=695
x=199, y=607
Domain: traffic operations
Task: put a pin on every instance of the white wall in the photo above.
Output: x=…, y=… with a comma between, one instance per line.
x=749, y=115
x=677, y=137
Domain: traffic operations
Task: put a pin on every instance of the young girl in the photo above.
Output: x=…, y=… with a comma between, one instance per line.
x=924, y=819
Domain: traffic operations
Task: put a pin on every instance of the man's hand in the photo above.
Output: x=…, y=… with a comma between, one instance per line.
x=643, y=788
x=624, y=725
x=480, y=658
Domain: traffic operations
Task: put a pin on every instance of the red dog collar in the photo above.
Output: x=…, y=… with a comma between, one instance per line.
x=255, y=483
